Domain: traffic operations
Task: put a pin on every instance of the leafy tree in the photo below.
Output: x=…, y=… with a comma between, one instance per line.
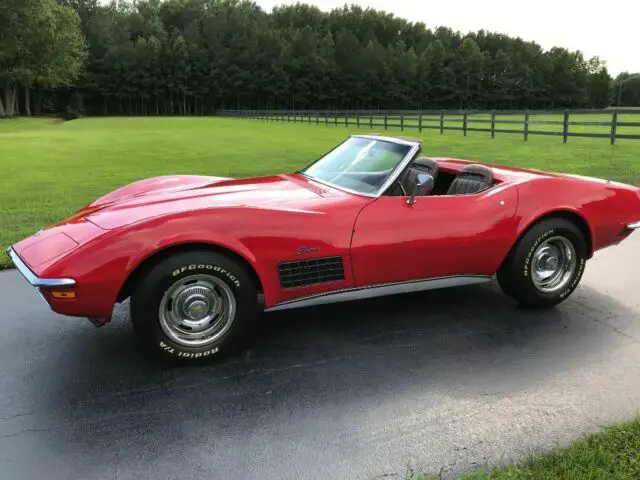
x=40, y=44
x=191, y=57
x=626, y=91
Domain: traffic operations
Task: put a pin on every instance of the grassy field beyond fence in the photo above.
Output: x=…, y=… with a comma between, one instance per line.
x=52, y=168
x=607, y=125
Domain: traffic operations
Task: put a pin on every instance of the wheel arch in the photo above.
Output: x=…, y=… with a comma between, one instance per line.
x=159, y=255
x=571, y=215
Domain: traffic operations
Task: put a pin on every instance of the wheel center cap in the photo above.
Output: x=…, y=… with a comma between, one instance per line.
x=197, y=310
x=552, y=263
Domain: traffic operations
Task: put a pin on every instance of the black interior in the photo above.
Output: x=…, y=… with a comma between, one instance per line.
x=471, y=179
x=444, y=180
x=408, y=183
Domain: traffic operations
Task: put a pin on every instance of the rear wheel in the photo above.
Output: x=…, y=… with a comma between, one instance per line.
x=546, y=264
x=193, y=306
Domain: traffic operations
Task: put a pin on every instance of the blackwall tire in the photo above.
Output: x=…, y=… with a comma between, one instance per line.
x=193, y=306
x=546, y=264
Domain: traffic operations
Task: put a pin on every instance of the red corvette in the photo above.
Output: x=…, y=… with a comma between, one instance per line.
x=200, y=256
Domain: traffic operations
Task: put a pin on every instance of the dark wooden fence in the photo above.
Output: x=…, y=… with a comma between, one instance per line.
x=562, y=123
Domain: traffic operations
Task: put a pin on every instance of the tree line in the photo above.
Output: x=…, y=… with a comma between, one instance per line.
x=192, y=57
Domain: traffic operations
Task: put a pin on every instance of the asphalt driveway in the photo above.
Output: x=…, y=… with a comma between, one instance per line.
x=437, y=382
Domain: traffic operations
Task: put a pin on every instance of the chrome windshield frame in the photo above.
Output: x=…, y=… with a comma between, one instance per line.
x=413, y=151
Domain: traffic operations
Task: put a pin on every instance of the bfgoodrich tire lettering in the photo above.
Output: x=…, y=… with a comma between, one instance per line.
x=191, y=289
x=557, y=248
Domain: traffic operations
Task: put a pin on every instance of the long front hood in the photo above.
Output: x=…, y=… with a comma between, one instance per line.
x=172, y=195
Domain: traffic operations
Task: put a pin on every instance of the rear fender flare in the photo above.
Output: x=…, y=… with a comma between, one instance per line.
x=563, y=212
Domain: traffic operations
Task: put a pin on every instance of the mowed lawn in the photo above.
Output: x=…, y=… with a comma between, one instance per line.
x=611, y=454
x=51, y=168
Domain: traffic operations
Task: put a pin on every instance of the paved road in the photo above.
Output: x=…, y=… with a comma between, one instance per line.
x=437, y=381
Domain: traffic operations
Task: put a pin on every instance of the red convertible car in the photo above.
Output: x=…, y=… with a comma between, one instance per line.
x=200, y=256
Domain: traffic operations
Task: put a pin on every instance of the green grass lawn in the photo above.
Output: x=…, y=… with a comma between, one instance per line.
x=613, y=454
x=52, y=168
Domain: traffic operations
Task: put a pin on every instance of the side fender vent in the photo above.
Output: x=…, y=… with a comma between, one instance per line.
x=311, y=272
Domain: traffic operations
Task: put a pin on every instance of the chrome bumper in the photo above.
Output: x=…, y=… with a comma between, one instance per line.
x=633, y=226
x=34, y=279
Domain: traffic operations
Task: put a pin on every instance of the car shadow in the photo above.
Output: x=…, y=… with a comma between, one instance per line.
x=469, y=341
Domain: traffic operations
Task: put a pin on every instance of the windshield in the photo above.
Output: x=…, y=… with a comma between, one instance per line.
x=359, y=164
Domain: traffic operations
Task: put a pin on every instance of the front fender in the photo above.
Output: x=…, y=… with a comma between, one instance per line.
x=101, y=267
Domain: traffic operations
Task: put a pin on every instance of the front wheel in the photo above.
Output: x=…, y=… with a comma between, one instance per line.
x=193, y=305
x=546, y=264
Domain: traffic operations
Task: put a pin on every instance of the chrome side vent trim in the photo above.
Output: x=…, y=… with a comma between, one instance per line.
x=313, y=271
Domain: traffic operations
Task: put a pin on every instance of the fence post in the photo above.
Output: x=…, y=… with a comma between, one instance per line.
x=402, y=121
x=493, y=124
x=526, y=125
x=385, y=120
x=465, y=119
x=336, y=117
x=358, y=118
x=565, y=127
x=370, y=120
x=326, y=118
x=346, y=118
x=317, y=118
x=420, y=122
x=441, y=122
x=614, y=125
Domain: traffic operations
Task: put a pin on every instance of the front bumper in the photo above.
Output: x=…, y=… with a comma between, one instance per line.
x=46, y=283
x=634, y=226
x=34, y=279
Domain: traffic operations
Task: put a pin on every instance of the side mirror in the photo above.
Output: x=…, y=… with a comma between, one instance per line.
x=423, y=186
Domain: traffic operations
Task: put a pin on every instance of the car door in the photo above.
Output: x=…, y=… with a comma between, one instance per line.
x=437, y=236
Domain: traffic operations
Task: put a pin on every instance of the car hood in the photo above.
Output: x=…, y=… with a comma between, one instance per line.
x=167, y=195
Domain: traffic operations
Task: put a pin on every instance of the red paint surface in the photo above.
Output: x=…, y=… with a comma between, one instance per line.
x=266, y=219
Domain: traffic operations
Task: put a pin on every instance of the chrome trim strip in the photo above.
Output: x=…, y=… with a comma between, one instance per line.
x=359, y=293
x=34, y=280
x=384, y=138
x=633, y=226
x=399, y=168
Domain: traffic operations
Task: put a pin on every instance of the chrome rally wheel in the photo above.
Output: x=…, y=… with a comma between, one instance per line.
x=192, y=306
x=553, y=265
x=197, y=310
x=546, y=263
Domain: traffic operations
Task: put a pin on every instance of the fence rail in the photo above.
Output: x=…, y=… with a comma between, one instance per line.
x=533, y=122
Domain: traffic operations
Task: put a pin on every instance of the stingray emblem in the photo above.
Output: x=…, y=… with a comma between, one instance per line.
x=304, y=249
